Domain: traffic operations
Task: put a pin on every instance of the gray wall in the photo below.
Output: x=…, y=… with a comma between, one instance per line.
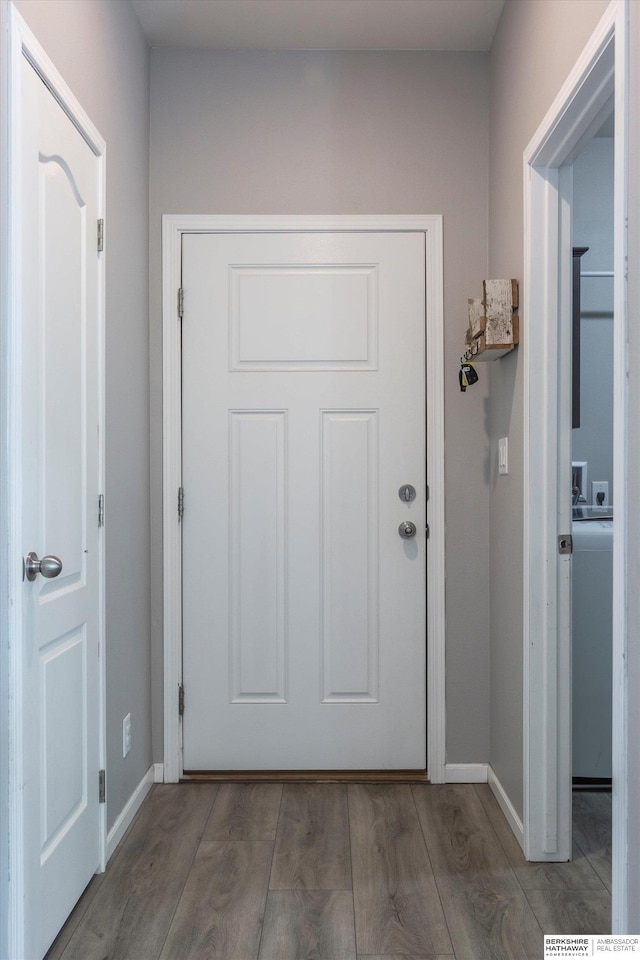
x=592, y=441
x=99, y=49
x=535, y=47
x=347, y=133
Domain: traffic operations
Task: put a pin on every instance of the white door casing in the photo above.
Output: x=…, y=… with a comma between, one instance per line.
x=547, y=429
x=597, y=83
x=303, y=414
x=431, y=229
x=57, y=190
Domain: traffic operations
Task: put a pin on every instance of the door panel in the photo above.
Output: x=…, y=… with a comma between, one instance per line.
x=257, y=557
x=349, y=558
x=63, y=334
x=303, y=318
x=59, y=291
x=303, y=414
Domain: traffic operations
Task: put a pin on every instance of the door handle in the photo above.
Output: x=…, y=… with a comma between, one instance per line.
x=49, y=566
x=407, y=529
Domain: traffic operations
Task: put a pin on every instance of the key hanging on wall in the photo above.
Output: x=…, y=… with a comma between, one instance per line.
x=467, y=375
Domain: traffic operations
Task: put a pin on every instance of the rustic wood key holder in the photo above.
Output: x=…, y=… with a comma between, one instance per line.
x=493, y=323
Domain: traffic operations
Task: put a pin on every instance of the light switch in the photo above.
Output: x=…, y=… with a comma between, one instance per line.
x=503, y=455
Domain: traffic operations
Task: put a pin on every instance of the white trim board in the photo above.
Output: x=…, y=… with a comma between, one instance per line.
x=598, y=79
x=173, y=225
x=131, y=807
x=466, y=772
x=7, y=666
x=506, y=806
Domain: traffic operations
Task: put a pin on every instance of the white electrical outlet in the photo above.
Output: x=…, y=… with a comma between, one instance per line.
x=126, y=735
x=503, y=455
x=599, y=493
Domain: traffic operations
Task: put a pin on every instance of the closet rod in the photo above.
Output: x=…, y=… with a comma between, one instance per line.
x=597, y=273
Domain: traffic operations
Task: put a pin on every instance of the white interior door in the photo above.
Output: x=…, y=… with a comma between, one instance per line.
x=59, y=310
x=303, y=416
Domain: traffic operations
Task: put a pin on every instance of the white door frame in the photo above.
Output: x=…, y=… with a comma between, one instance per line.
x=18, y=41
x=173, y=226
x=598, y=81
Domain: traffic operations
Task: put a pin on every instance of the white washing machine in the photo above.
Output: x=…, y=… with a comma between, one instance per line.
x=591, y=640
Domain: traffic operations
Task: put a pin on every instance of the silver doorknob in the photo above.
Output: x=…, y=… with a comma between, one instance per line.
x=407, y=529
x=49, y=567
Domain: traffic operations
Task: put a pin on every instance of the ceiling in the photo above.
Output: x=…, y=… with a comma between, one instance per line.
x=320, y=24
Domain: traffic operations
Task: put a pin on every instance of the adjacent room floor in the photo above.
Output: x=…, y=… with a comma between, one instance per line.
x=322, y=871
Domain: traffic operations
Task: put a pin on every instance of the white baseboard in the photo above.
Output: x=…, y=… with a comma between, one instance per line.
x=130, y=809
x=158, y=772
x=465, y=772
x=506, y=806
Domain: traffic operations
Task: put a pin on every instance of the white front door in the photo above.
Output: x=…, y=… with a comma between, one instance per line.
x=303, y=417
x=58, y=291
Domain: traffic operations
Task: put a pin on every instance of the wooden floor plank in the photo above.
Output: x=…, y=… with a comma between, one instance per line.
x=61, y=942
x=220, y=913
x=245, y=811
x=312, y=844
x=486, y=909
x=214, y=903
x=570, y=911
x=592, y=830
x=397, y=907
x=59, y=945
x=129, y=916
x=578, y=874
x=308, y=925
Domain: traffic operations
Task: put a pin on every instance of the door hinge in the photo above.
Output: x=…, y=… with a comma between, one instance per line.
x=101, y=510
x=565, y=544
x=426, y=527
x=180, y=699
x=102, y=786
x=180, y=503
x=180, y=302
x=100, y=236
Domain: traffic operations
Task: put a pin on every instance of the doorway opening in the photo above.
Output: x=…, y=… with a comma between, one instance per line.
x=592, y=461
x=430, y=227
x=593, y=509
x=596, y=87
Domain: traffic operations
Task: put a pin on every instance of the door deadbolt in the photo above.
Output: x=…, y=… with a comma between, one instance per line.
x=407, y=493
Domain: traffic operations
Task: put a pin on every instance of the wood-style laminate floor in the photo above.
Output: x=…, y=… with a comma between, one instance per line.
x=322, y=871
